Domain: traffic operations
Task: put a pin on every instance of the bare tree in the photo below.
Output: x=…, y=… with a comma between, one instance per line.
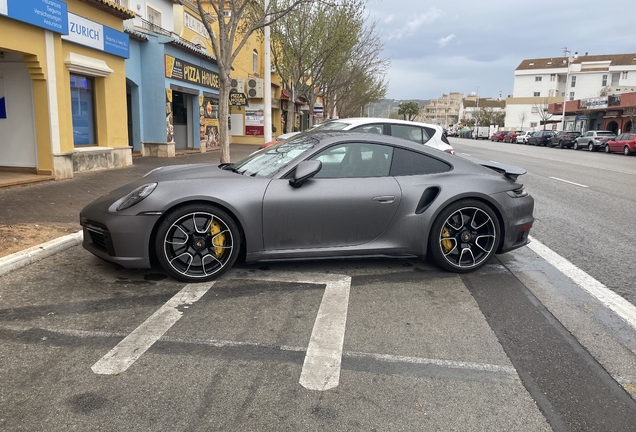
x=522, y=118
x=541, y=109
x=245, y=18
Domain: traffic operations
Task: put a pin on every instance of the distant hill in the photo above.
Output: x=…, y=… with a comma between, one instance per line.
x=389, y=106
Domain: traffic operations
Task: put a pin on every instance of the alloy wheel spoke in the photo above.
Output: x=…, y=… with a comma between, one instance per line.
x=461, y=255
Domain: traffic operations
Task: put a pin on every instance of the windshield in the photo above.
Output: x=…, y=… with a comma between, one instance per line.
x=330, y=126
x=270, y=160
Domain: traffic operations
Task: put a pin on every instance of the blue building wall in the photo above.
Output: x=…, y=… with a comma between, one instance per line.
x=145, y=73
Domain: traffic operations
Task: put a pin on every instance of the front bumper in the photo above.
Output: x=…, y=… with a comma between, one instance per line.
x=123, y=240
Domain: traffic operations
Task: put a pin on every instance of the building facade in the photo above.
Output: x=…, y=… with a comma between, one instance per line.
x=443, y=111
x=62, y=86
x=539, y=83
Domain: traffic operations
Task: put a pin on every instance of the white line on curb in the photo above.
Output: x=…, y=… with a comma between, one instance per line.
x=35, y=253
x=143, y=337
x=596, y=289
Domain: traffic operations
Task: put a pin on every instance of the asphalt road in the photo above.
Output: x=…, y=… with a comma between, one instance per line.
x=590, y=220
x=385, y=345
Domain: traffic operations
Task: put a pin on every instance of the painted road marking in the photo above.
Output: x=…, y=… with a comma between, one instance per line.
x=143, y=337
x=596, y=289
x=566, y=181
x=384, y=358
x=321, y=368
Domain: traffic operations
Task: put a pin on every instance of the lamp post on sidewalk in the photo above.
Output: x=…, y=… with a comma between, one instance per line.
x=569, y=60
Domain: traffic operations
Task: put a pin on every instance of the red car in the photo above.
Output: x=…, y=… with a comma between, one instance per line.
x=499, y=136
x=625, y=143
x=511, y=137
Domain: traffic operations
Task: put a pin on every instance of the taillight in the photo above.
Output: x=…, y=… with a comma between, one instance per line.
x=451, y=151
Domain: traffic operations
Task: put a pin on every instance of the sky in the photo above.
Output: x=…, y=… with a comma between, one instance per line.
x=436, y=47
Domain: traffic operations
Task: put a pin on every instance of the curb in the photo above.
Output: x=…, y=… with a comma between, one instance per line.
x=36, y=253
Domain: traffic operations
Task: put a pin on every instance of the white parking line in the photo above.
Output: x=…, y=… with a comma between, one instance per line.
x=566, y=181
x=143, y=337
x=321, y=368
x=596, y=289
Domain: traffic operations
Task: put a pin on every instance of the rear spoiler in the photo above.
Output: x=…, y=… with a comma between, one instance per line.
x=509, y=171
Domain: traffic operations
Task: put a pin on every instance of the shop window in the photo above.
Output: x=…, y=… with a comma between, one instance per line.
x=82, y=108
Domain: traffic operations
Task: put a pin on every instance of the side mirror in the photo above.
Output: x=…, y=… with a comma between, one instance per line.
x=305, y=170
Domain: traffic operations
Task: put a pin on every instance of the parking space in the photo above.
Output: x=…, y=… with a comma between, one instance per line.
x=345, y=345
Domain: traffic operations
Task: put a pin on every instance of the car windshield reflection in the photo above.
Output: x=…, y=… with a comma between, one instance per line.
x=270, y=160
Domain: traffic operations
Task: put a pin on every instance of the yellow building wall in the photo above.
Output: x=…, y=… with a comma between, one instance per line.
x=29, y=41
x=111, y=113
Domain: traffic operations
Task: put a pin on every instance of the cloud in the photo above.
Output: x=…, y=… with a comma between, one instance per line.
x=444, y=41
x=388, y=19
x=414, y=24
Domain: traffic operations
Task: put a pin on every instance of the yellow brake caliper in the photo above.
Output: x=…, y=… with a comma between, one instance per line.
x=447, y=245
x=218, y=240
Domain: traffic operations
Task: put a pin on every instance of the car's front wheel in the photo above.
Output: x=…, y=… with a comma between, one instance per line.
x=576, y=145
x=197, y=242
x=607, y=149
x=464, y=236
x=590, y=146
x=626, y=151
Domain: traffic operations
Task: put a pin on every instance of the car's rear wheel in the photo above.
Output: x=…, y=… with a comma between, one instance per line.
x=197, y=242
x=464, y=236
x=626, y=151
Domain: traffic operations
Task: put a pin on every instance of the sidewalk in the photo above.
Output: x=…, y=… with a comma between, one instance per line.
x=51, y=207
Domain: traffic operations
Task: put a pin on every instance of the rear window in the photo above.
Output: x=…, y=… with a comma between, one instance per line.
x=605, y=133
x=406, y=163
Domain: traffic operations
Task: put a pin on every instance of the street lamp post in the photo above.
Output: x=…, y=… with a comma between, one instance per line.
x=477, y=109
x=569, y=59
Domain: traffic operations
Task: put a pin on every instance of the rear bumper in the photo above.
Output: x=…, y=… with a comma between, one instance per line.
x=518, y=220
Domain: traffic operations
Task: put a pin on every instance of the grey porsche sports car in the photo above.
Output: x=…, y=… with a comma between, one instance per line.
x=318, y=195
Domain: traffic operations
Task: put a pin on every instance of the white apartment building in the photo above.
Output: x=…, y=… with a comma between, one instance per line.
x=539, y=82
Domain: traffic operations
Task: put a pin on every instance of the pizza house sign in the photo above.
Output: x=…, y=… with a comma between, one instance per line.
x=184, y=71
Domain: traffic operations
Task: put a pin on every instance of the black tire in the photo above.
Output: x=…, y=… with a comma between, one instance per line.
x=197, y=242
x=561, y=144
x=590, y=146
x=575, y=146
x=626, y=151
x=467, y=224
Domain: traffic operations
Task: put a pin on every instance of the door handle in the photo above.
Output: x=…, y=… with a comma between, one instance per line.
x=384, y=198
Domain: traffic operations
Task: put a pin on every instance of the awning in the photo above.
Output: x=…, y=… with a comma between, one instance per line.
x=285, y=94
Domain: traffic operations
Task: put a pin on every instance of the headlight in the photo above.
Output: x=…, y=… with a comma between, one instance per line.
x=136, y=196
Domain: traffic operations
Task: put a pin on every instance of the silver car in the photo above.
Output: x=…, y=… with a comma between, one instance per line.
x=593, y=140
x=328, y=194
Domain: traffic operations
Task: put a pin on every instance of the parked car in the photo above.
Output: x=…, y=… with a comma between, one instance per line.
x=421, y=133
x=522, y=138
x=564, y=139
x=625, y=143
x=541, y=138
x=322, y=194
x=511, y=137
x=593, y=140
x=499, y=136
x=481, y=132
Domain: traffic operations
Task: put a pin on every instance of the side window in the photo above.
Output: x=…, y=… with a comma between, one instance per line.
x=630, y=137
x=353, y=160
x=407, y=162
x=411, y=133
x=377, y=128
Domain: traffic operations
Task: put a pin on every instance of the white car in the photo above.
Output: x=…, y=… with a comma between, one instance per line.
x=423, y=133
x=522, y=137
